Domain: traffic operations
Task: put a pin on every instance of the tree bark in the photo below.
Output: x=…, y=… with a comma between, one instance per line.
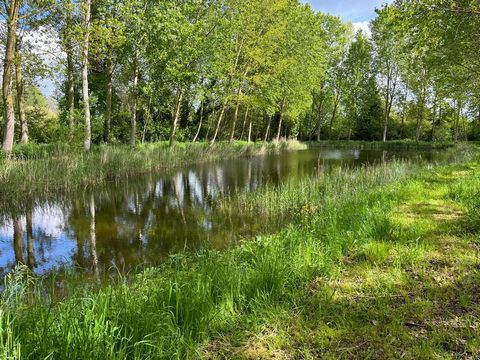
x=13, y=9
x=133, y=120
x=457, y=120
x=175, y=115
x=70, y=68
x=387, y=105
x=282, y=108
x=199, y=124
x=244, y=123
x=108, y=100
x=334, y=114
x=250, y=131
x=220, y=118
x=20, y=99
x=235, y=116
x=268, y=129
x=85, y=91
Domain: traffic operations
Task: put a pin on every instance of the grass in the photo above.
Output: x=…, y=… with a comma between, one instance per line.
x=389, y=145
x=379, y=262
x=33, y=171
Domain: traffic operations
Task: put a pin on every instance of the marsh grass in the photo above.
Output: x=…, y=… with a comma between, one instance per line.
x=389, y=145
x=40, y=170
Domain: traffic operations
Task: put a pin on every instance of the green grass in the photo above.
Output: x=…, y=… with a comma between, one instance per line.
x=378, y=262
x=389, y=145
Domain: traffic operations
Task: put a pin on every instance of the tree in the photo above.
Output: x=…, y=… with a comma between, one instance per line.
x=86, y=10
x=12, y=11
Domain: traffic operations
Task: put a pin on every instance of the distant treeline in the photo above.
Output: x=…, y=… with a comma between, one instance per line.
x=188, y=70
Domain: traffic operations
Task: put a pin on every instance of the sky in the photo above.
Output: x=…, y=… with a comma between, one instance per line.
x=356, y=11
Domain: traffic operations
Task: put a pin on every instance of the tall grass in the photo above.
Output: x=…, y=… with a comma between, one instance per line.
x=390, y=145
x=44, y=169
x=172, y=311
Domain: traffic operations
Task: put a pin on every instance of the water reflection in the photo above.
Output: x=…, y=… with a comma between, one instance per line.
x=142, y=220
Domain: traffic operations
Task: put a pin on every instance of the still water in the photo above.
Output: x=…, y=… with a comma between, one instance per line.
x=139, y=222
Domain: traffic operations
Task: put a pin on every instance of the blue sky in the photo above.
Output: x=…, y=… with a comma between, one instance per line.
x=355, y=11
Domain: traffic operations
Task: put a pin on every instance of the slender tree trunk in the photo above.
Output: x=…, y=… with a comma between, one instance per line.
x=457, y=120
x=175, y=115
x=21, y=100
x=387, y=114
x=319, y=125
x=320, y=109
x=244, y=123
x=108, y=100
x=133, y=123
x=85, y=91
x=220, y=118
x=250, y=131
x=420, y=114
x=235, y=116
x=209, y=126
x=12, y=10
x=147, y=117
x=268, y=129
x=199, y=124
x=334, y=114
x=70, y=68
x=282, y=108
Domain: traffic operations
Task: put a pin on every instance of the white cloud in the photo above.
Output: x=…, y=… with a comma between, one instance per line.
x=364, y=26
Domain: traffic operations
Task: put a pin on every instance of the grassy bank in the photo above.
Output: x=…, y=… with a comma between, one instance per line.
x=404, y=145
x=42, y=169
x=379, y=262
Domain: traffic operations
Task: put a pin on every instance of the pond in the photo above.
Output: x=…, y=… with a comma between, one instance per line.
x=125, y=225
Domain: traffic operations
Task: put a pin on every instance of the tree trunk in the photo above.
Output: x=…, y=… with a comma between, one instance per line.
x=387, y=106
x=268, y=129
x=235, y=116
x=9, y=111
x=282, y=108
x=175, y=115
x=133, y=123
x=457, y=120
x=85, y=91
x=20, y=99
x=244, y=123
x=250, y=131
x=220, y=118
x=319, y=125
x=108, y=100
x=334, y=114
x=199, y=124
x=70, y=68
x=320, y=109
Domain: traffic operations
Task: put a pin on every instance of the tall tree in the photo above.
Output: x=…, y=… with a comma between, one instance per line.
x=12, y=8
